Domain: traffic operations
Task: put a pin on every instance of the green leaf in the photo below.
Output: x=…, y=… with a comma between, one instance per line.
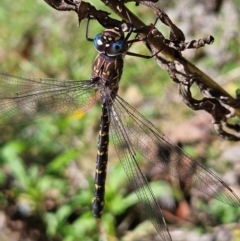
x=63, y=212
x=10, y=153
x=60, y=162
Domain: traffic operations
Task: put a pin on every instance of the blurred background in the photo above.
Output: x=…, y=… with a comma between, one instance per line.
x=47, y=166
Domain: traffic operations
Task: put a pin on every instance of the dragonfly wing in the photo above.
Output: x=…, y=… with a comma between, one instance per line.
x=25, y=99
x=145, y=139
x=126, y=154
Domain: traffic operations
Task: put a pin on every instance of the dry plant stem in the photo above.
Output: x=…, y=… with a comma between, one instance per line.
x=157, y=42
x=210, y=82
x=167, y=53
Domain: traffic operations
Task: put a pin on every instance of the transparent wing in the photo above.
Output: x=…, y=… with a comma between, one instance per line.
x=143, y=137
x=126, y=154
x=24, y=99
x=133, y=134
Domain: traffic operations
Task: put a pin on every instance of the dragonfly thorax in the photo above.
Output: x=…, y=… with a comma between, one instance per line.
x=107, y=71
x=111, y=42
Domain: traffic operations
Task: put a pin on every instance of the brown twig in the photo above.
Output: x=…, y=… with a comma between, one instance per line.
x=216, y=101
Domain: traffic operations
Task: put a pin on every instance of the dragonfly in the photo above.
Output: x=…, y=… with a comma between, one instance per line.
x=134, y=137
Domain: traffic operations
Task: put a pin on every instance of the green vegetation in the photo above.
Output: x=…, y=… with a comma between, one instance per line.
x=47, y=166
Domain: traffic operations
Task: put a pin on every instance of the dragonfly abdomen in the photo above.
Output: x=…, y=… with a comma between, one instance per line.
x=101, y=165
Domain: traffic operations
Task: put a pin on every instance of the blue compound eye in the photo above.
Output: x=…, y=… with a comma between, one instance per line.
x=98, y=43
x=116, y=48
x=107, y=45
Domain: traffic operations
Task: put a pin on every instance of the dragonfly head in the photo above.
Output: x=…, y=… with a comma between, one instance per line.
x=111, y=42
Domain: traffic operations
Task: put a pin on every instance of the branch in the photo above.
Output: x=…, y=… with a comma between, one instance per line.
x=216, y=101
x=62, y=5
